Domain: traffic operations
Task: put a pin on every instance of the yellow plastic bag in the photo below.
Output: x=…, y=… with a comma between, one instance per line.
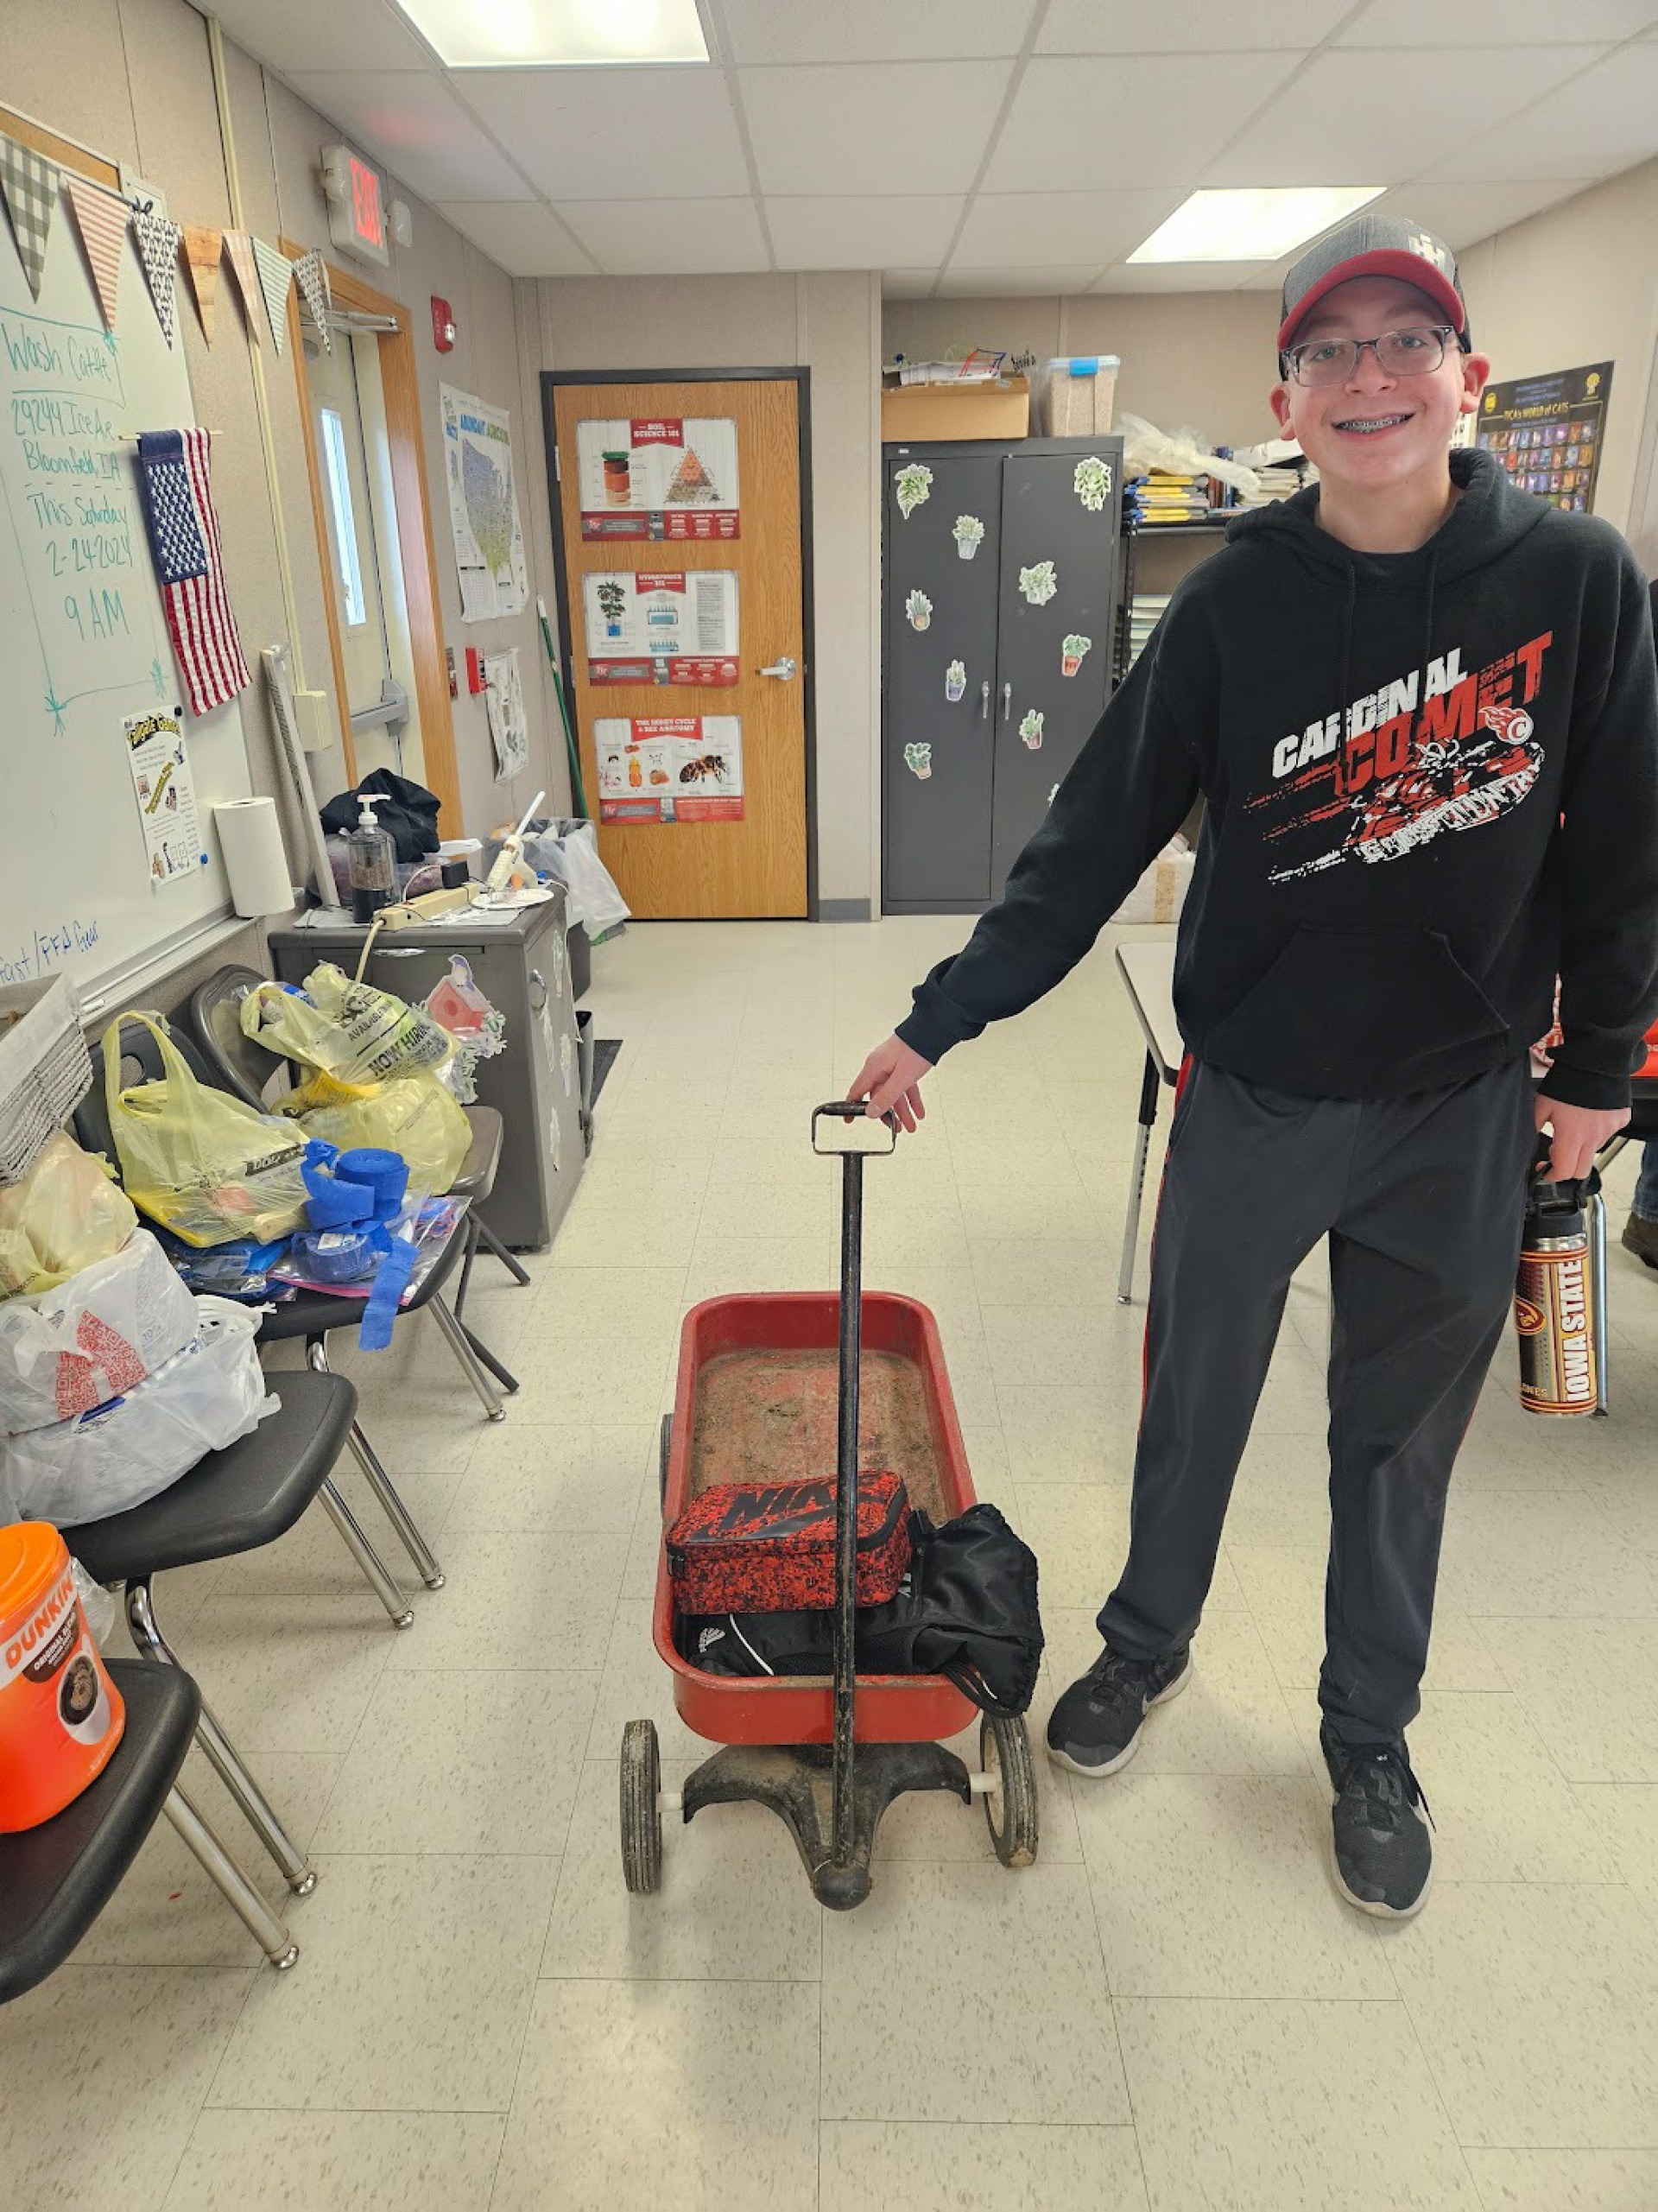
x=353, y=1031
x=197, y=1160
x=67, y=1213
x=415, y=1114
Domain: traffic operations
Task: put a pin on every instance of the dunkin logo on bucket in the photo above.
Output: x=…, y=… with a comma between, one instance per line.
x=60, y=1716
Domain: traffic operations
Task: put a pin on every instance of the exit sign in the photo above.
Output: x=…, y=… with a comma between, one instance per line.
x=357, y=205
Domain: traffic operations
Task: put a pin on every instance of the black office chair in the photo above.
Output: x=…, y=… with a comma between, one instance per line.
x=314, y=1314
x=254, y=1071
x=56, y=1879
x=235, y=1500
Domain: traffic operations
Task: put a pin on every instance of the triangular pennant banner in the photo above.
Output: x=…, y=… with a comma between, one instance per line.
x=275, y=275
x=313, y=278
x=158, y=249
x=30, y=186
x=239, y=246
x=201, y=251
x=102, y=221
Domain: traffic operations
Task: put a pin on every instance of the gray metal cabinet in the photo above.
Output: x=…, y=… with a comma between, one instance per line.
x=523, y=967
x=967, y=781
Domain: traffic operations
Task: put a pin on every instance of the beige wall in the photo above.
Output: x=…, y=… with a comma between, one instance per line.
x=131, y=80
x=831, y=325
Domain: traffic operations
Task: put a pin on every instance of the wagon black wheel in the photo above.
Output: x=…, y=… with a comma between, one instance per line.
x=666, y=1446
x=1010, y=1809
x=641, y=1811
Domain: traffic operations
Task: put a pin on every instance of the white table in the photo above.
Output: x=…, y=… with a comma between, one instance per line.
x=1148, y=972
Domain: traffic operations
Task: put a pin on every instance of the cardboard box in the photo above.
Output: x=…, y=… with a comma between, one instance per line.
x=928, y=413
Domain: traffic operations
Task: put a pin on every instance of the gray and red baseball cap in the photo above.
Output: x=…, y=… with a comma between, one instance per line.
x=1374, y=245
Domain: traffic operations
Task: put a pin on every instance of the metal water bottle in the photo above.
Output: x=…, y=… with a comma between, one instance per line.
x=1554, y=1299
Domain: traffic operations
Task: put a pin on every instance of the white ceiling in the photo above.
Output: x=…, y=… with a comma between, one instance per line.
x=982, y=146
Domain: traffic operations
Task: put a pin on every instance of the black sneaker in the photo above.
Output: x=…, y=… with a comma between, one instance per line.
x=1095, y=1728
x=1640, y=1237
x=1383, y=1852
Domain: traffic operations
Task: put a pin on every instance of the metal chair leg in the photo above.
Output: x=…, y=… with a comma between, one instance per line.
x=504, y=1253
x=469, y=1253
x=238, y=1891
x=380, y=1482
x=1141, y=1148
x=472, y=1365
x=502, y=1374
x=397, y=1605
x=300, y=1875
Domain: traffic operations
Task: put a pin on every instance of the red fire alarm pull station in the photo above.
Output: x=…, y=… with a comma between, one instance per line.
x=443, y=324
x=477, y=675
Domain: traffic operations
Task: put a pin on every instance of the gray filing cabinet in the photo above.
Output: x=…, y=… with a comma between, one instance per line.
x=949, y=835
x=523, y=967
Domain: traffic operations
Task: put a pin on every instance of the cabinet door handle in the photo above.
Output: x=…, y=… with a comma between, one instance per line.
x=1007, y=701
x=984, y=701
x=538, y=1006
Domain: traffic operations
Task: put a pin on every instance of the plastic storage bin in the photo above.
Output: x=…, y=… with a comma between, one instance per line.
x=1077, y=393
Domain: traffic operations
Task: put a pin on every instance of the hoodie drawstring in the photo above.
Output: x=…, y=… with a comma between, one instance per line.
x=1349, y=601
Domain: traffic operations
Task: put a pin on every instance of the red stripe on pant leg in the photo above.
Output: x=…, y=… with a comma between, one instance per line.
x=1145, y=1334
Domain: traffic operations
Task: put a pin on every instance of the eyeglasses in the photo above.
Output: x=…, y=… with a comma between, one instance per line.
x=1413, y=353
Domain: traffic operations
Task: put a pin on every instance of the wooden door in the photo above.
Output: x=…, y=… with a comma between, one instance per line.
x=642, y=491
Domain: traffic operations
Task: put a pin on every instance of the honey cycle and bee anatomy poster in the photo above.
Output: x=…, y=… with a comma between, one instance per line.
x=682, y=768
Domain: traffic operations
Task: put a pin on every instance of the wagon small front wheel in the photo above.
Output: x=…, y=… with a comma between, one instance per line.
x=641, y=1808
x=1011, y=1808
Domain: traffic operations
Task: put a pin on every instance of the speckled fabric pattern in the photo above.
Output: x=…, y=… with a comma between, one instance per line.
x=770, y=1547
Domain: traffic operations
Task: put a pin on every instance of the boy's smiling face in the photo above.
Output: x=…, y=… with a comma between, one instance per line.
x=1415, y=414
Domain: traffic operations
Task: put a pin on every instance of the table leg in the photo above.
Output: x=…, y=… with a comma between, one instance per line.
x=1149, y=1083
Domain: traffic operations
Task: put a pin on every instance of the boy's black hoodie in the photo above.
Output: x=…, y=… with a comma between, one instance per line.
x=1389, y=913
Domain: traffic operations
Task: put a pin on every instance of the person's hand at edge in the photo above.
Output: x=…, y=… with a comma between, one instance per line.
x=890, y=1080
x=1578, y=1133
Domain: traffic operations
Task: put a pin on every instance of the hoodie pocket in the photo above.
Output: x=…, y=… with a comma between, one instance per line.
x=1359, y=1013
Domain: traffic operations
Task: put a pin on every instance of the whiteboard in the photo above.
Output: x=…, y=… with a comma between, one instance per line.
x=83, y=637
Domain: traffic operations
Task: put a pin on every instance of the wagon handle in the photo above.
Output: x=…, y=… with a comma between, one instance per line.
x=849, y=1110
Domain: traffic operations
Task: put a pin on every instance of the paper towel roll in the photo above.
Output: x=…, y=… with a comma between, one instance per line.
x=254, y=859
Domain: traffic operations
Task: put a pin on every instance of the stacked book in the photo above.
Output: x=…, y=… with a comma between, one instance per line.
x=1163, y=496
x=1146, y=611
x=1276, y=483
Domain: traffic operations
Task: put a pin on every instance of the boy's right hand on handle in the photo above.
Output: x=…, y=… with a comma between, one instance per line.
x=890, y=1081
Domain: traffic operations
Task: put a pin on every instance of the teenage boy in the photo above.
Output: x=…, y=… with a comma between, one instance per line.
x=1422, y=708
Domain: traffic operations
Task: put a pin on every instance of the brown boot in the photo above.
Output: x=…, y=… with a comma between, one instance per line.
x=1640, y=1237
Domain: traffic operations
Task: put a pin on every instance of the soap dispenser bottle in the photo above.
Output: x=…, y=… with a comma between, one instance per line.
x=373, y=862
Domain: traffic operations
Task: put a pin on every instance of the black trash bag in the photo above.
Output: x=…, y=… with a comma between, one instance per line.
x=967, y=1610
x=408, y=814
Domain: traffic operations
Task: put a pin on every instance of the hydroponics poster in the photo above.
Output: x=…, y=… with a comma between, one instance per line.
x=669, y=767
x=653, y=627
x=659, y=478
x=165, y=793
x=1549, y=431
x=483, y=506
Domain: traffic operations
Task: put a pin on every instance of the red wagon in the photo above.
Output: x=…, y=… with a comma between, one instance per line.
x=771, y=1388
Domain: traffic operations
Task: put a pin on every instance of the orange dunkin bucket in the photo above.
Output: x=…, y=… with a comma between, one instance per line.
x=61, y=1715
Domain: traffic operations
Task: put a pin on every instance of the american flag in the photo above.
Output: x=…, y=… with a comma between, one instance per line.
x=184, y=544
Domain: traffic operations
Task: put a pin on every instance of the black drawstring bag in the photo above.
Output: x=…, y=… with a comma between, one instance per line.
x=408, y=815
x=967, y=1610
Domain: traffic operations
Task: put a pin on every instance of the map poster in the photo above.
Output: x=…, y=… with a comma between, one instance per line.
x=1549, y=432
x=165, y=793
x=654, y=627
x=676, y=768
x=483, y=506
x=659, y=477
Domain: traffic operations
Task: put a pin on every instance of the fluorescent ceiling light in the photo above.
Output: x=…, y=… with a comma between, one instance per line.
x=528, y=34
x=1252, y=224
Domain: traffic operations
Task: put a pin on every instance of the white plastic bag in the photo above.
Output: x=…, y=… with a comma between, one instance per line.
x=569, y=853
x=64, y=1352
x=1181, y=451
x=1161, y=892
x=128, y=1451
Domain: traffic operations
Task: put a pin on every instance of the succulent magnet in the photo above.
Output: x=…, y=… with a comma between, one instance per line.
x=955, y=681
x=918, y=760
x=1092, y=482
x=1073, y=648
x=918, y=608
x=968, y=534
x=912, y=484
x=1030, y=729
x=1039, y=583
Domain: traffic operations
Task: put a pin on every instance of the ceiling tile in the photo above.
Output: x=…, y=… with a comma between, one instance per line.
x=312, y=35
x=1604, y=122
x=668, y=237
x=1186, y=25
x=874, y=30
x=615, y=134
x=417, y=128
x=1463, y=214
x=1084, y=126
x=522, y=236
x=908, y=283
x=910, y=127
x=862, y=233
x=1018, y=283
x=1495, y=22
x=1310, y=134
x=1178, y=276
x=1073, y=226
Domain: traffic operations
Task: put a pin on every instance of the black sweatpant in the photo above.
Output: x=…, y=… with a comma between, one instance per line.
x=1423, y=1200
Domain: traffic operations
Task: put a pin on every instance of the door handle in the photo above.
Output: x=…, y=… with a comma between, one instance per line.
x=1007, y=701
x=783, y=668
x=984, y=701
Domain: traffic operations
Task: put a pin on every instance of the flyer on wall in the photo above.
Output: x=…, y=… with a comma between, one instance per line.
x=663, y=768
x=166, y=792
x=659, y=477
x=483, y=506
x=653, y=627
x=1549, y=431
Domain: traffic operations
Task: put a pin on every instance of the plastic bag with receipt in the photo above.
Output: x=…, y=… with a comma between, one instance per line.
x=353, y=1031
x=98, y=1333
x=197, y=1160
x=121, y=1453
x=415, y=1114
x=68, y=1213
